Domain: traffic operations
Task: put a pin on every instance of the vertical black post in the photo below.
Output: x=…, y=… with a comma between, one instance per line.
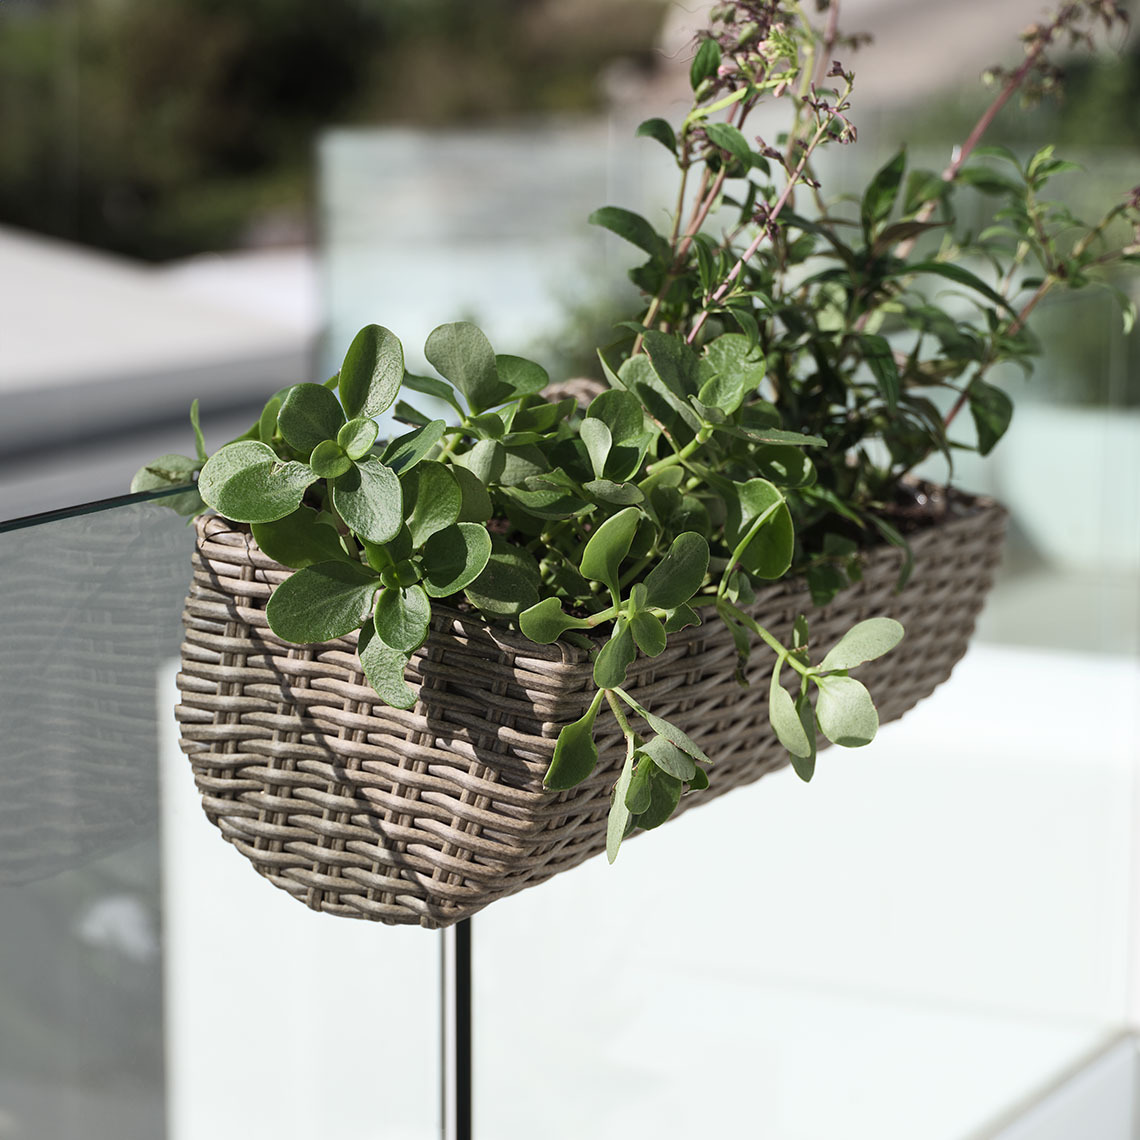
x=455, y=1069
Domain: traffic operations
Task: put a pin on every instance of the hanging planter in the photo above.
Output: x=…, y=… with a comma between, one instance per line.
x=425, y=816
x=425, y=673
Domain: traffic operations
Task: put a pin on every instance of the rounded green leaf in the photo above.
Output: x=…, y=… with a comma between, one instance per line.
x=384, y=667
x=608, y=545
x=509, y=581
x=402, y=617
x=247, y=482
x=432, y=500
x=786, y=721
x=663, y=728
x=357, y=437
x=638, y=797
x=476, y=506
x=664, y=795
x=618, y=820
x=649, y=633
x=760, y=516
x=621, y=412
x=299, y=540
x=267, y=424
x=546, y=622
x=863, y=642
x=615, y=657
x=846, y=712
x=453, y=558
x=321, y=602
x=523, y=377
x=784, y=466
x=166, y=472
x=461, y=353
x=372, y=372
x=369, y=499
x=404, y=452
x=310, y=414
x=596, y=436
x=678, y=576
x=329, y=460
x=705, y=62
x=575, y=754
x=669, y=758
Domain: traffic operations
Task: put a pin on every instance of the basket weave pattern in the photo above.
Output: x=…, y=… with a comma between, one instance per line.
x=426, y=816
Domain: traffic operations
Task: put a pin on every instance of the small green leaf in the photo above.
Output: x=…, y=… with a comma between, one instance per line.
x=321, y=602
x=329, y=460
x=705, y=62
x=618, y=819
x=309, y=415
x=434, y=387
x=675, y=363
x=680, y=617
x=663, y=728
x=476, y=505
x=462, y=354
x=864, y=641
x=523, y=377
x=845, y=711
x=649, y=633
x=638, y=796
x=992, y=410
x=615, y=657
x=402, y=617
x=613, y=494
x=664, y=795
x=405, y=451
x=384, y=668
x=267, y=423
x=509, y=582
x=633, y=228
x=881, y=360
x=608, y=545
x=596, y=436
x=357, y=437
x=486, y=461
x=726, y=137
x=669, y=758
x=883, y=189
x=760, y=527
x=369, y=499
x=575, y=753
x=784, y=466
x=660, y=130
x=621, y=412
x=169, y=471
x=299, y=540
x=545, y=623
x=804, y=766
x=432, y=500
x=453, y=558
x=372, y=372
x=786, y=721
x=247, y=482
x=678, y=576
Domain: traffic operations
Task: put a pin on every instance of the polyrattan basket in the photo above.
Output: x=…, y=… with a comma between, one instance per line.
x=428, y=815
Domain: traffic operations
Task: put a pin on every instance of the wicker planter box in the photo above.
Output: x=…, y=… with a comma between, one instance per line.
x=426, y=816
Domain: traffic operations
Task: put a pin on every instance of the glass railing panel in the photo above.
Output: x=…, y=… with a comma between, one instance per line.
x=151, y=984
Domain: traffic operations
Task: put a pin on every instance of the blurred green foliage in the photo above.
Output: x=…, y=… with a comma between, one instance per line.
x=163, y=129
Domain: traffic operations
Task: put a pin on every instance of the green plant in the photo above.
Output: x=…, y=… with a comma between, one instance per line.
x=775, y=392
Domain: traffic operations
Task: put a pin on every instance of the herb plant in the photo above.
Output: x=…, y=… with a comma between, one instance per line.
x=791, y=367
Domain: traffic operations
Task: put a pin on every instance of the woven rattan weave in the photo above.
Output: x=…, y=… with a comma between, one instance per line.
x=426, y=816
